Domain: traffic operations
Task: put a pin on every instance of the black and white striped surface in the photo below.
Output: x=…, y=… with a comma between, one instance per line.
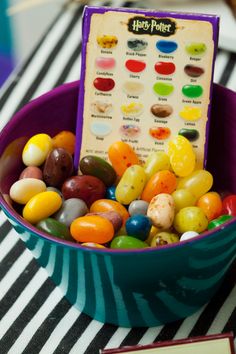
x=34, y=316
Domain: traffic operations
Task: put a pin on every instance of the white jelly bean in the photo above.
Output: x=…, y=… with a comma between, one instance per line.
x=188, y=235
x=36, y=150
x=24, y=189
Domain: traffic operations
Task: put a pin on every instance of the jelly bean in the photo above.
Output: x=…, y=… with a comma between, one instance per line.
x=165, y=46
x=229, y=205
x=193, y=70
x=161, y=110
x=132, y=109
x=24, y=189
x=130, y=130
x=58, y=167
x=188, y=235
x=87, y=188
x=195, y=48
x=138, y=226
x=198, y=182
x=161, y=182
x=55, y=228
x=190, y=134
x=92, y=244
x=164, y=238
x=190, y=113
x=31, y=172
x=92, y=228
x=161, y=211
x=107, y=41
x=219, y=221
x=192, y=91
x=127, y=242
x=164, y=68
x=104, y=84
x=104, y=205
x=155, y=162
x=163, y=89
x=211, y=204
x=111, y=193
x=190, y=218
x=36, y=150
x=100, y=128
x=138, y=207
x=183, y=198
x=41, y=206
x=105, y=63
x=131, y=184
x=182, y=156
x=70, y=210
x=133, y=87
x=122, y=156
x=137, y=44
x=160, y=133
x=114, y=217
x=135, y=66
x=66, y=140
x=101, y=107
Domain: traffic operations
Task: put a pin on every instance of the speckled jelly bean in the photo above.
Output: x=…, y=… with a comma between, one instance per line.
x=70, y=210
x=193, y=70
x=55, y=228
x=183, y=198
x=188, y=235
x=114, y=217
x=92, y=228
x=161, y=110
x=41, y=206
x=198, y=182
x=104, y=84
x=137, y=44
x=196, y=48
x=190, y=134
x=135, y=66
x=182, y=156
x=189, y=113
x=160, y=133
x=219, y=221
x=31, y=172
x=104, y=205
x=107, y=41
x=101, y=107
x=166, y=46
x=164, y=238
x=190, y=218
x=164, y=68
x=98, y=167
x=131, y=184
x=36, y=149
x=156, y=162
x=138, y=226
x=229, y=205
x=127, y=242
x=66, y=140
x=192, y=91
x=122, y=156
x=130, y=130
x=133, y=87
x=138, y=207
x=24, y=189
x=161, y=182
x=211, y=204
x=105, y=63
x=161, y=211
x=132, y=109
x=163, y=89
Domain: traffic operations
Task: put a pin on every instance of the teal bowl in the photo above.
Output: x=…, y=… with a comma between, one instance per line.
x=127, y=288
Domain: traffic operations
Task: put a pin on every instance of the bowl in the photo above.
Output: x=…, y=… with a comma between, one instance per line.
x=129, y=288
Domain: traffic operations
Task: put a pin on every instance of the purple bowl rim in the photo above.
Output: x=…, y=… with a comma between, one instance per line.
x=16, y=217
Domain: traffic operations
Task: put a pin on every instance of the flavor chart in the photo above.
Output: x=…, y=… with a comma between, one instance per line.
x=146, y=77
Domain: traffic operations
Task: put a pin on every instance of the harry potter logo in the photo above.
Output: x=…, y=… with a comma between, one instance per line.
x=154, y=26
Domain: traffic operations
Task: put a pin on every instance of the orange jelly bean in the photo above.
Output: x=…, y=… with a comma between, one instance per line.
x=103, y=205
x=92, y=229
x=66, y=140
x=211, y=205
x=161, y=182
x=122, y=156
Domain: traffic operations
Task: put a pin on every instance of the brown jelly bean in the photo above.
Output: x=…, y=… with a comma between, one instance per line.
x=161, y=110
x=193, y=70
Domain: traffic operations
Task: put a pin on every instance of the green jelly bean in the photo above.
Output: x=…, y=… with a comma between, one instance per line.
x=196, y=48
x=163, y=89
x=190, y=134
x=219, y=221
x=192, y=91
x=55, y=228
x=126, y=242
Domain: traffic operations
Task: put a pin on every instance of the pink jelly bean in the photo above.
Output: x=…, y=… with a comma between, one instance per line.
x=105, y=63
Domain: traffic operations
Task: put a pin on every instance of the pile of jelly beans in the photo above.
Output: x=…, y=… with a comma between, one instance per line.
x=119, y=204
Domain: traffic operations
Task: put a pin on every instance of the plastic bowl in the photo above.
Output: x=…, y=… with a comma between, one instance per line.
x=128, y=288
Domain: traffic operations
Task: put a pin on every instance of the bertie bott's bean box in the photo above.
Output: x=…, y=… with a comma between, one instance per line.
x=146, y=76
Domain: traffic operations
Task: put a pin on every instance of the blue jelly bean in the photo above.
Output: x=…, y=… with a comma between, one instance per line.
x=110, y=193
x=138, y=226
x=166, y=46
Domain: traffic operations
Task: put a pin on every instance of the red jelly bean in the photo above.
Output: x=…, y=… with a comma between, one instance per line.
x=229, y=205
x=135, y=66
x=165, y=68
x=159, y=133
x=104, y=84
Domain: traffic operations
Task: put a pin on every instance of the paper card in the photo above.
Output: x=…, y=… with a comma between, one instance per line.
x=146, y=76
x=217, y=344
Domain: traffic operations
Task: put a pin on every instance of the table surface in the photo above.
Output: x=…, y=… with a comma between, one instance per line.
x=34, y=316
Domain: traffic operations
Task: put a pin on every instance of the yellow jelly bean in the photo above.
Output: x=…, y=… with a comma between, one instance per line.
x=131, y=184
x=41, y=206
x=190, y=219
x=133, y=108
x=199, y=182
x=190, y=113
x=122, y=156
x=156, y=162
x=24, y=189
x=183, y=198
x=36, y=150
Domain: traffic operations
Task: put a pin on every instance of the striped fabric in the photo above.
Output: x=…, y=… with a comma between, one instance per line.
x=34, y=316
